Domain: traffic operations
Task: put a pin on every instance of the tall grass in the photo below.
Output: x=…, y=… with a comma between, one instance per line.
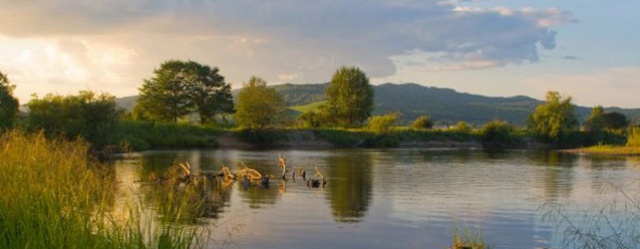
x=468, y=240
x=53, y=196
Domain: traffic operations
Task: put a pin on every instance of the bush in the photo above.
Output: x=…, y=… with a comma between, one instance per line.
x=633, y=138
x=497, y=135
x=381, y=124
x=87, y=115
x=462, y=127
x=422, y=122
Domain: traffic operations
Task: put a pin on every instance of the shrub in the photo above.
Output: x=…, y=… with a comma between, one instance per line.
x=633, y=138
x=422, y=122
x=382, y=124
x=497, y=135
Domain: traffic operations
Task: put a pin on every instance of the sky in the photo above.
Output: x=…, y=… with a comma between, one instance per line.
x=586, y=49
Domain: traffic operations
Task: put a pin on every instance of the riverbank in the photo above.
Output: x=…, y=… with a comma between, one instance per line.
x=607, y=150
x=328, y=139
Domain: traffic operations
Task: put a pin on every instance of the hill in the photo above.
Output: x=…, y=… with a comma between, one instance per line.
x=445, y=106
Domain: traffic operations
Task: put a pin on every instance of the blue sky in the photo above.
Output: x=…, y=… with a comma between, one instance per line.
x=587, y=49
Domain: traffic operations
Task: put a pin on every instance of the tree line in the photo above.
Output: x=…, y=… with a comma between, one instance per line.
x=188, y=89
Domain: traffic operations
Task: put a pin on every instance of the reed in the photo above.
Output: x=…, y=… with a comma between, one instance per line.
x=53, y=196
x=468, y=240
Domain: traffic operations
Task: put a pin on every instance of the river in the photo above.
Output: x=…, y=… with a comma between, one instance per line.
x=399, y=198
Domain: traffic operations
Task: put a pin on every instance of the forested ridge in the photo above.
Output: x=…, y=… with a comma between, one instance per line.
x=445, y=106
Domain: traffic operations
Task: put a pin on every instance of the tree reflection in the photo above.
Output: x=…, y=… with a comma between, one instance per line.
x=349, y=185
x=558, y=175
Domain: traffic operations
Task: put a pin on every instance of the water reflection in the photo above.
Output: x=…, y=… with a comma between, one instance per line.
x=350, y=185
x=557, y=172
x=386, y=198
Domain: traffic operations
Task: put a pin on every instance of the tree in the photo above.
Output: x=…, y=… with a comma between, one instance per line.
x=599, y=120
x=615, y=121
x=422, y=122
x=258, y=107
x=180, y=88
x=554, y=118
x=93, y=117
x=8, y=104
x=208, y=91
x=595, y=121
x=349, y=97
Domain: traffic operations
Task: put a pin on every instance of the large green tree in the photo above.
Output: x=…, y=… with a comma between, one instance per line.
x=90, y=116
x=554, y=118
x=349, y=97
x=208, y=91
x=259, y=107
x=8, y=103
x=179, y=88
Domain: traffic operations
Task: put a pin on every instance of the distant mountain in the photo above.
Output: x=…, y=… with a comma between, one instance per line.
x=127, y=103
x=445, y=106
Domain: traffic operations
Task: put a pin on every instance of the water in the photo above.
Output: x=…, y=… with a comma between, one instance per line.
x=400, y=198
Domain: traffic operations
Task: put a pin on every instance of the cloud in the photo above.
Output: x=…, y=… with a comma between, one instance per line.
x=276, y=38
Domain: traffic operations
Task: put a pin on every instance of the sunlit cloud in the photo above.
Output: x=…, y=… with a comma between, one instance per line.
x=112, y=45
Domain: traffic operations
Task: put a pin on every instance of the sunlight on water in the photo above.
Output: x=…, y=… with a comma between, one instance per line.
x=401, y=198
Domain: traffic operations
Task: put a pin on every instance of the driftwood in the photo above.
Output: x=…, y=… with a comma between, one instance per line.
x=299, y=171
x=227, y=173
x=250, y=173
x=315, y=183
x=282, y=163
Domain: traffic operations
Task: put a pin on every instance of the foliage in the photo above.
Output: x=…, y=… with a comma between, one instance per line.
x=633, y=137
x=595, y=120
x=422, y=122
x=311, y=119
x=179, y=88
x=8, y=103
x=90, y=116
x=52, y=196
x=553, y=119
x=615, y=121
x=381, y=124
x=320, y=117
x=142, y=135
x=258, y=107
x=164, y=97
x=462, y=126
x=600, y=120
x=497, y=135
x=208, y=91
x=349, y=97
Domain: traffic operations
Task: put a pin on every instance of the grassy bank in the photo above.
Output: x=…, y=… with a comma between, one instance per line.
x=140, y=135
x=53, y=196
x=609, y=150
